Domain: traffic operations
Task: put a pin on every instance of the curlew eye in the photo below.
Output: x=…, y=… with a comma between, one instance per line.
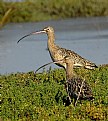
x=48, y=29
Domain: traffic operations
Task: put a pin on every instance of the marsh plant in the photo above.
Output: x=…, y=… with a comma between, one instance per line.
x=41, y=10
x=42, y=96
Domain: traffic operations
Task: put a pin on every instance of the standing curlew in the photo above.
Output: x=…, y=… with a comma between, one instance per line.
x=58, y=53
x=76, y=87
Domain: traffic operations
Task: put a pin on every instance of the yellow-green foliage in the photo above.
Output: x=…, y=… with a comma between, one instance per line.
x=39, y=10
x=29, y=96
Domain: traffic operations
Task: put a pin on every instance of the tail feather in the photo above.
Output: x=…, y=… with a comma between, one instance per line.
x=91, y=66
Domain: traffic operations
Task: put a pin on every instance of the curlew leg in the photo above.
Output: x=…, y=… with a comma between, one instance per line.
x=68, y=92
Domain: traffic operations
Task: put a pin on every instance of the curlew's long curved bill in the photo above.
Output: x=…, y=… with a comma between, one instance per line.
x=66, y=57
x=48, y=64
x=33, y=33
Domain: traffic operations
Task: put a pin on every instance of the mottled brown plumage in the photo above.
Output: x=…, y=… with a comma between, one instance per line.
x=76, y=88
x=58, y=53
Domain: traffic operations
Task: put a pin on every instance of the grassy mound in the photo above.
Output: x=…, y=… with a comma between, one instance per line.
x=29, y=96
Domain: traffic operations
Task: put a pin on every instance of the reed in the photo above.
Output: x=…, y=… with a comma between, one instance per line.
x=39, y=10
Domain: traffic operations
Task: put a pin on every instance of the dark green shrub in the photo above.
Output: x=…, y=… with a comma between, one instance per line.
x=29, y=96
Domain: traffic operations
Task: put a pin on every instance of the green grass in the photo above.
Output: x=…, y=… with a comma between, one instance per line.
x=41, y=10
x=41, y=96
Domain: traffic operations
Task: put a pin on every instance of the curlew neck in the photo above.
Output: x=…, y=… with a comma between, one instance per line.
x=51, y=39
x=69, y=70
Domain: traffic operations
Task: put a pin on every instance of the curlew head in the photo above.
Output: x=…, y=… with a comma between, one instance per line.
x=48, y=29
x=45, y=30
x=68, y=61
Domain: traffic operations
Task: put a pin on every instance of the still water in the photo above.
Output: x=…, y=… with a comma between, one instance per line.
x=86, y=36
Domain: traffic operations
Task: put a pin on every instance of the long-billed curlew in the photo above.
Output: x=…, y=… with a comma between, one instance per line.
x=76, y=87
x=58, y=53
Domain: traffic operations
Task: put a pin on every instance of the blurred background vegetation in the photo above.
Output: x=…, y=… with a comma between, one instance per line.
x=41, y=10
